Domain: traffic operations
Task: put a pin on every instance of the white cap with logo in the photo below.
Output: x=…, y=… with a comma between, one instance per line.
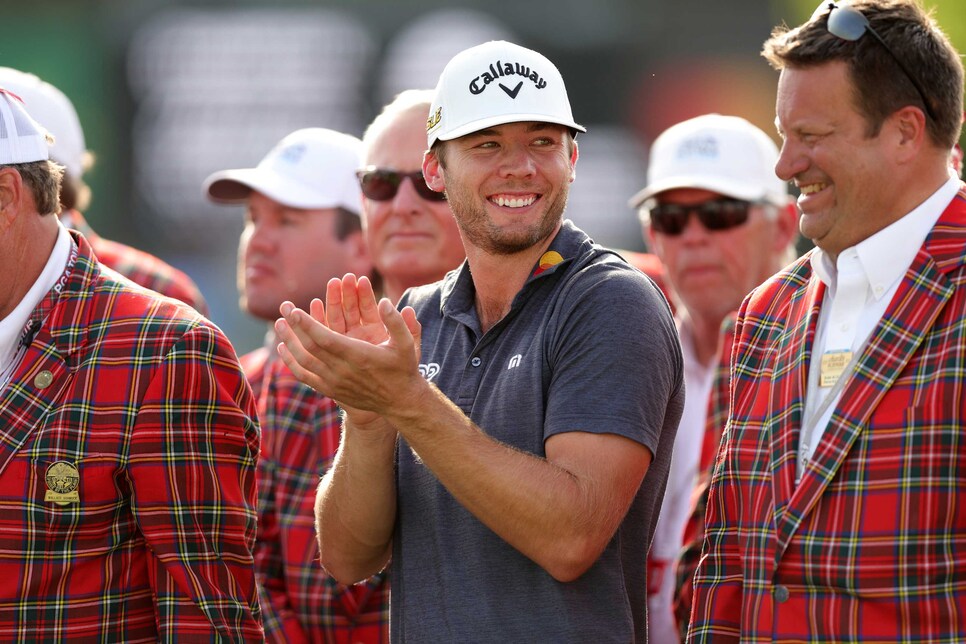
x=53, y=110
x=22, y=139
x=723, y=154
x=495, y=83
x=310, y=168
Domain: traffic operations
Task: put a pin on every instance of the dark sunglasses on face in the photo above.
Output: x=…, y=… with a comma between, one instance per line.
x=382, y=185
x=848, y=23
x=716, y=214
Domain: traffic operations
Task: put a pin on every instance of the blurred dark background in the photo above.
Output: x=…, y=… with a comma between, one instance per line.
x=169, y=92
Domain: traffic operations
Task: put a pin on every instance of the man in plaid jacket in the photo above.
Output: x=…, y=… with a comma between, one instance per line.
x=127, y=439
x=302, y=228
x=835, y=504
x=52, y=109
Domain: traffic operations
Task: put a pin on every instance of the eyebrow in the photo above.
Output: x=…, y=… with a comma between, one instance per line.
x=535, y=126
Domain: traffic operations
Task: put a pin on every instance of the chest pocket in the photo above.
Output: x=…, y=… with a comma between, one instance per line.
x=67, y=495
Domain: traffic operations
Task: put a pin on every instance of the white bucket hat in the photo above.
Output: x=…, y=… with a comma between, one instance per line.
x=310, y=168
x=723, y=154
x=495, y=83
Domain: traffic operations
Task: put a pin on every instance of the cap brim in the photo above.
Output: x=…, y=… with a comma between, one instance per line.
x=726, y=187
x=481, y=124
x=235, y=186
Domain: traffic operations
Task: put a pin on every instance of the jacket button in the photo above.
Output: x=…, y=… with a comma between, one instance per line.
x=781, y=594
x=43, y=379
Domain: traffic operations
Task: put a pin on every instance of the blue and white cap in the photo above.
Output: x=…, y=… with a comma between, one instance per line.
x=495, y=83
x=723, y=154
x=311, y=168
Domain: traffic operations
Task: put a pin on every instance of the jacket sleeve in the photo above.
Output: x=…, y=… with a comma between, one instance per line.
x=279, y=618
x=191, y=469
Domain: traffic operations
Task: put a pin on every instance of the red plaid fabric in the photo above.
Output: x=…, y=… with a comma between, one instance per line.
x=138, y=266
x=870, y=545
x=300, y=435
x=694, y=529
x=145, y=400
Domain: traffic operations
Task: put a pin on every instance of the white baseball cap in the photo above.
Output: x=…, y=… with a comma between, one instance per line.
x=723, y=154
x=54, y=111
x=22, y=139
x=310, y=168
x=495, y=83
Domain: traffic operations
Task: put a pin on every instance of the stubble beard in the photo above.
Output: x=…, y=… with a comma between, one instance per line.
x=480, y=231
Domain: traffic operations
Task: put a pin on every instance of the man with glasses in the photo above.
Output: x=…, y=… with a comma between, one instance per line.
x=412, y=235
x=508, y=430
x=835, y=510
x=721, y=223
x=302, y=228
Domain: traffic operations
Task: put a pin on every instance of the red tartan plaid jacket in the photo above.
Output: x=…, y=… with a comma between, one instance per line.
x=301, y=430
x=138, y=266
x=871, y=544
x=142, y=405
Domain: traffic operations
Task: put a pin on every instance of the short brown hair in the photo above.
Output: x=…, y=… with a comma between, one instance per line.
x=44, y=179
x=880, y=85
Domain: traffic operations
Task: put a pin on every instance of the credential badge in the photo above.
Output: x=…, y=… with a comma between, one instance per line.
x=62, y=480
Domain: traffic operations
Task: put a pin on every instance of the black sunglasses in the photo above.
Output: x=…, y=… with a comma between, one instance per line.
x=848, y=23
x=716, y=214
x=382, y=185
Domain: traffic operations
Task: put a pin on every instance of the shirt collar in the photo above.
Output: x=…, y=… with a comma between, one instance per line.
x=12, y=326
x=886, y=255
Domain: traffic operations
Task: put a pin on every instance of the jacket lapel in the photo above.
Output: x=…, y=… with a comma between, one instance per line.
x=788, y=394
x=922, y=294
x=39, y=383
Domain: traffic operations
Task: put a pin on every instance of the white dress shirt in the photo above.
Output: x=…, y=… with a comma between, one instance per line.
x=682, y=477
x=860, y=286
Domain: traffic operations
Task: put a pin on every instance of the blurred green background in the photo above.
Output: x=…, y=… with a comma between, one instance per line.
x=158, y=125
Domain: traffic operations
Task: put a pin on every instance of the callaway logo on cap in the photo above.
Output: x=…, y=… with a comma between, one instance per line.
x=495, y=83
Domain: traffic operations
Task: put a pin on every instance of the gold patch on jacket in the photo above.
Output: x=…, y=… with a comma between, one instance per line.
x=62, y=481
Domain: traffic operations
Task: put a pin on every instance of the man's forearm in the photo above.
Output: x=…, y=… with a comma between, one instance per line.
x=560, y=511
x=355, y=507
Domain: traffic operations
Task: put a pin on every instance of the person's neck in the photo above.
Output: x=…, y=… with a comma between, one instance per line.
x=705, y=331
x=25, y=260
x=498, y=279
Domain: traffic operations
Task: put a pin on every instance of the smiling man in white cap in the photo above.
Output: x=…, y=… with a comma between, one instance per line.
x=51, y=108
x=127, y=465
x=721, y=222
x=507, y=432
x=302, y=229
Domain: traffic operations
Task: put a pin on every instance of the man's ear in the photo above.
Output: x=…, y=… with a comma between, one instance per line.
x=786, y=226
x=573, y=162
x=11, y=195
x=358, y=259
x=433, y=171
x=911, y=135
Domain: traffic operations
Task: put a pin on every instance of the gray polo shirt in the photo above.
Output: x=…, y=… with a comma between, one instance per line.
x=588, y=345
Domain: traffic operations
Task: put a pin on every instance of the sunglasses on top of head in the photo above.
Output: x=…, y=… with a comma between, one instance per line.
x=715, y=214
x=380, y=184
x=848, y=23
